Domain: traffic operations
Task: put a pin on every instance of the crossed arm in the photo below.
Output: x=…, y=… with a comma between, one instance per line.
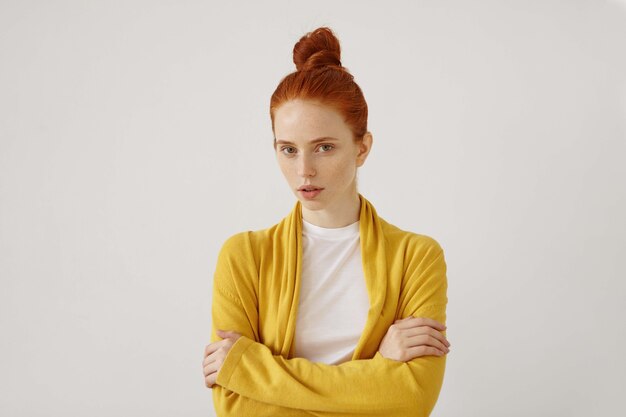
x=253, y=381
x=252, y=378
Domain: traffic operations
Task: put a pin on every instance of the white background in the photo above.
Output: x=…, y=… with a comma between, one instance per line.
x=135, y=138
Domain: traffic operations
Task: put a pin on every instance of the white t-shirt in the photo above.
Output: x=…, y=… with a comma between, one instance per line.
x=334, y=303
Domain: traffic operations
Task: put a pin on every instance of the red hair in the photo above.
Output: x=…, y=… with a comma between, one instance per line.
x=320, y=77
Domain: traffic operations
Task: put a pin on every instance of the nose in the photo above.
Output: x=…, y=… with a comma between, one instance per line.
x=305, y=166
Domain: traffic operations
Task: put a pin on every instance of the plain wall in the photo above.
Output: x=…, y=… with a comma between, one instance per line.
x=135, y=138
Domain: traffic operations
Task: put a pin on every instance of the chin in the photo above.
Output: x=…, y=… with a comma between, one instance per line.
x=312, y=205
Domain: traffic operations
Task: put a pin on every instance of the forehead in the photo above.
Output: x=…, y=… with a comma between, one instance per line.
x=300, y=121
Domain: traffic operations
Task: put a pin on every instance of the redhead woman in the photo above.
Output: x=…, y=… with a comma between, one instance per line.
x=332, y=311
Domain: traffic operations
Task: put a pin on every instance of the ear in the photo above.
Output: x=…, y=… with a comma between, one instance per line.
x=365, y=145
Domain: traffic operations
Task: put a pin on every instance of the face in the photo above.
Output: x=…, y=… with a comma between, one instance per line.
x=315, y=147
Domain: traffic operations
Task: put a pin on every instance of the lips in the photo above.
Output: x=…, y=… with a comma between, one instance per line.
x=309, y=188
x=310, y=195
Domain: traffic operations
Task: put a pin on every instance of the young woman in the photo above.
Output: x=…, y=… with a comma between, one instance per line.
x=332, y=311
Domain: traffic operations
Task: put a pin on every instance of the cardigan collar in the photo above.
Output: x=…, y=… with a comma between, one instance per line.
x=374, y=261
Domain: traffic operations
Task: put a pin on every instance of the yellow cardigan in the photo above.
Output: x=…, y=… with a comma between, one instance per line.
x=256, y=290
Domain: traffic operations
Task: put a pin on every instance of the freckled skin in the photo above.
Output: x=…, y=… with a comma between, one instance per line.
x=331, y=164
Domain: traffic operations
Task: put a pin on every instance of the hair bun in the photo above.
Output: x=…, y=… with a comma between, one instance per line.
x=317, y=49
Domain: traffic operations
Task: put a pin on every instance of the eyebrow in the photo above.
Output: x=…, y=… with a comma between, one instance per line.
x=322, y=139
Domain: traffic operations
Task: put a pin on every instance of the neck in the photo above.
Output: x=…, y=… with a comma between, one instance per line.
x=342, y=213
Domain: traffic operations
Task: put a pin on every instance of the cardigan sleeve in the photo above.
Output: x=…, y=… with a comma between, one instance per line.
x=253, y=373
x=230, y=299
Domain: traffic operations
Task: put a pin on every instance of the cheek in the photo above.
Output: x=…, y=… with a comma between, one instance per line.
x=344, y=169
x=286, y=168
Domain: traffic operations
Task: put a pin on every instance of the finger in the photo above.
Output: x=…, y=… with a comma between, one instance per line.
x=406, y=318
x=427, y=321
x=421, y=321
x=209, y=381
x=415, y=352
x=426, y=340
x=224, y=334
x=208, y=359
x=210, y=368
x=415, y=331
x=212, y=347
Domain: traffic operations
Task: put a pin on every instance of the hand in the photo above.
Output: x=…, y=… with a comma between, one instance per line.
x=413, y=337
x=215, y=354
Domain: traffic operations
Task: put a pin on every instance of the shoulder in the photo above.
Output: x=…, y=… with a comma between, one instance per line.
x=249, y=242
x=413, y=245
x=236, y=243
x=424, y=269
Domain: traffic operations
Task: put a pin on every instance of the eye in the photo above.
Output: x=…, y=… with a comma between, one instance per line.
x=287, y=147
x=331, y=147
